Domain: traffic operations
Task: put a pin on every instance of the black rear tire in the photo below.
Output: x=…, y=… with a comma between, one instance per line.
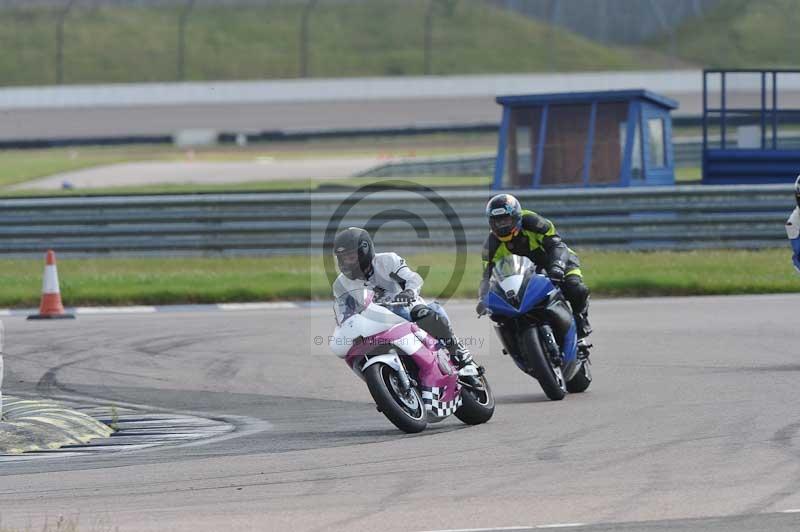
x=581, y=380
x=553, y=388
x=476, y=406
x=402, y=415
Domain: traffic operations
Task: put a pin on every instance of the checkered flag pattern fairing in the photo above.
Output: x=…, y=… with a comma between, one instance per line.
x=435, y=406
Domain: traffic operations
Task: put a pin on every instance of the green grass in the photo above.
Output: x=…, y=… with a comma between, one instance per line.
x=127, y=281
x=663, y=273
x=741, y=34
x=375, y=38
x=682, y=175
x=112, y=281
x=20, y=166
x=295, y=185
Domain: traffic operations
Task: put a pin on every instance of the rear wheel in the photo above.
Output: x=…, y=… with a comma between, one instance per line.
x=581, y=380
x=403, y=408
x=550, y=378
x=477, y=403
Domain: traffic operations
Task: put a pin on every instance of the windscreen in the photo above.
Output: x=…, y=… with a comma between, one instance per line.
x=510, y=265
x=351, y=303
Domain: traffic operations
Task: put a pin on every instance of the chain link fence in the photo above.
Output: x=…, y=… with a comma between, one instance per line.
x=177, y=40
x=613, y=21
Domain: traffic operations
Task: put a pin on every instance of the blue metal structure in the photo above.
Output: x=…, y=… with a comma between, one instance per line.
x=583, y=139
x=755, y=153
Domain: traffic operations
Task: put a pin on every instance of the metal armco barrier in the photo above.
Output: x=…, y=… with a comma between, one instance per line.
x=295, y=223
x=688, y=154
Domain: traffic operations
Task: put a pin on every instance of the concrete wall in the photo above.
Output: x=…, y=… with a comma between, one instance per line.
x=301, y=105
x=343, y=90
x=77, y=111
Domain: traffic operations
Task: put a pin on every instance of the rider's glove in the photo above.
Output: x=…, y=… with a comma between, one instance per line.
x=406, y=296
x=556, y=272
x=481, y=309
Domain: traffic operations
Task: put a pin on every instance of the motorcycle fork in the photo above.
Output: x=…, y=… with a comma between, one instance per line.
x=551, y=346
x=406, y=380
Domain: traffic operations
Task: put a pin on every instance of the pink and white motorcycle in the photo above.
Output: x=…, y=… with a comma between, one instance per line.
x=409, y=374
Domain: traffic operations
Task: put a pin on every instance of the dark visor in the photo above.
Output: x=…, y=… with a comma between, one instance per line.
x=349, y=258
x=349, y=264
x=502, y=225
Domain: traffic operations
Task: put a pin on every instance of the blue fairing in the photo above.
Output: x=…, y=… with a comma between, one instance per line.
x=796, y=256
x=570, y=343
x=500, y=306
x=538, y=288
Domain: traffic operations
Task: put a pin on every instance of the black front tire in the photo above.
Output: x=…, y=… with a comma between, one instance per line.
x=476, y=406
x=402, y=416
x=581, y=381
x=535, y=354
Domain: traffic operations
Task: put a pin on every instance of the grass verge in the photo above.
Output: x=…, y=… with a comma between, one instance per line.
x=732, y=35
x=375, y=38
x=127, y=281
x=19, y=166
x=294, y=185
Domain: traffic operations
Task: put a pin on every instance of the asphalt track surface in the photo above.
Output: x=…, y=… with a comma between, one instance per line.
x=691, y=424
x=100, y=121
x=205, y=173
x=80, y=122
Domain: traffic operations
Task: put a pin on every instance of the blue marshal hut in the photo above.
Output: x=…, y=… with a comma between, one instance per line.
x=585, y=139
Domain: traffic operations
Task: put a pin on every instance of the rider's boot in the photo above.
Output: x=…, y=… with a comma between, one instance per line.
x=459, y=353
x=584, y=329
x=582, y=324
x=438, y=325
x=462, y=358
x=584, y=349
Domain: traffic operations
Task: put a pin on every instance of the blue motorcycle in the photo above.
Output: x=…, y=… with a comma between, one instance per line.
x=536, y=327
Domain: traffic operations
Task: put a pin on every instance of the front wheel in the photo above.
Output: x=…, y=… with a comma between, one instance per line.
x=477, y=404
x=403, y=408
x=550, y=378
x=581, y=380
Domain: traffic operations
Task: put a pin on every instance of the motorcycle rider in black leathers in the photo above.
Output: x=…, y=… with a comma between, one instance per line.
x=521, y=232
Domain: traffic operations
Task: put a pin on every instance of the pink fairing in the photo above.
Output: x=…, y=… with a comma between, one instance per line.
x=426, y=356
x=387, y=337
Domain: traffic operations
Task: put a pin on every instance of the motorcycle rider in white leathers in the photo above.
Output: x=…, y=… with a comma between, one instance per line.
x=390, y=278
x=793, y=227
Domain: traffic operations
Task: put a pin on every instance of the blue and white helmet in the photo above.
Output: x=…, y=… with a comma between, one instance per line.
x=505, y=216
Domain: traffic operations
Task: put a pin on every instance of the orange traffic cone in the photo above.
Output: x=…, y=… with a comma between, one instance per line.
x=51, y=307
